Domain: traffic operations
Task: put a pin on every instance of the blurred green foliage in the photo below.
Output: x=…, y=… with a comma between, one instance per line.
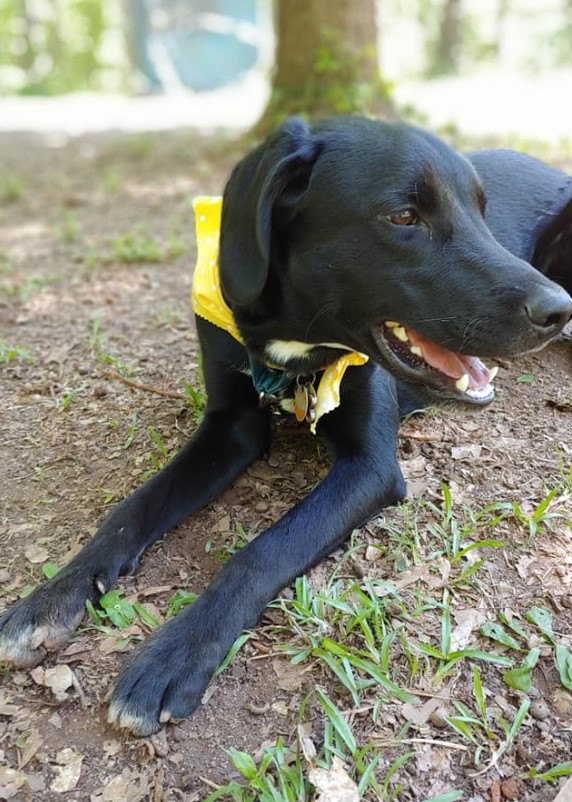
x=50, y=47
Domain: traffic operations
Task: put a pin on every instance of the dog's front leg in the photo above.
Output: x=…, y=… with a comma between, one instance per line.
x=226, y=442
x=168, y=675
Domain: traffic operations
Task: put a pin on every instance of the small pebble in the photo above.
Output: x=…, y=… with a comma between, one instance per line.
x=566, y=601
x=280, y=707
x=372, y=553
x=99, y=391
x=160, y=744
x=539, y=711
x=562, y=702
x=261, y=506
x=393, y=609
x=524, y=755
x=257, y=710
x=438, y=717
x=510, y=789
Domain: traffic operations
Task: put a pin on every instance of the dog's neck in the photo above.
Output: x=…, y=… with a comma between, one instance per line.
x=293, y=354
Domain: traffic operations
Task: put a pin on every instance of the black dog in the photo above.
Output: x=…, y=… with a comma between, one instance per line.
x=352, y=243
x=529, y=210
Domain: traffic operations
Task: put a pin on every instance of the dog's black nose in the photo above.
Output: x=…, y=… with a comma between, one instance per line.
x=549, y=309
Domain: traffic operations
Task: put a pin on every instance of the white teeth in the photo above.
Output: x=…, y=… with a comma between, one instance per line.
x=493, y=372
x=391, y=324
x=401, y=334
x=462, y=384
x=480, y=393
x=415, y=349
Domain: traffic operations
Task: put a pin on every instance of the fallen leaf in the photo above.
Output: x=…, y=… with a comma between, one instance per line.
x=11, y=781
x=565, y=793
x=468, y=452
x=112, y=747
x=510, y=788
x=333, y=784
x=523, y=566
x=372, y=553
x=7, y=709
x=59, y=679
x=154, y=590
x=495, y=791
x=129, y=786
x=420, y=715
x=306, y=744
x=403, y=580
x=68, y=771
x=468, y=621
x=112, y=644
x=36, y=554
x=33, y=743
x=290, y=677
x=562, y=702
x=439, y=580
x=413, y=467
x=38, y=674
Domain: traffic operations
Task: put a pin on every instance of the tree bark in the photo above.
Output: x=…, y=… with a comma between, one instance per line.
x=447, y=48
x=327, y=60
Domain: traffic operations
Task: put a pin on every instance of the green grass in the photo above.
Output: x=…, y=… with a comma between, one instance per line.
x=385, y=640
x=374, y=640
x=196, y=398
x=291, y=774
x=97, y=339
x=14, y=353
x=139, y=246
x=12, y=188
x=69, y=229
x=65, y=401
x=111, y=181
x=160, y=453
x=23, y=289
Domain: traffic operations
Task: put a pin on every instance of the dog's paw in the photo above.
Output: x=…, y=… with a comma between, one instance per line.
x=46, y=619
x=165, y=679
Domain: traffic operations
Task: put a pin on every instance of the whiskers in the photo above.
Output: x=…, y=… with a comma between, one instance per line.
x=468, y=327
x=317, y=316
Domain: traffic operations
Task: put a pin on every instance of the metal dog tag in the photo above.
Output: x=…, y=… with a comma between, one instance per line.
x=312, y=401
x=305, y=400
x=301, y=402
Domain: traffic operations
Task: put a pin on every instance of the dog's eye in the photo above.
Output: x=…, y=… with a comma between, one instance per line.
x=403, y=217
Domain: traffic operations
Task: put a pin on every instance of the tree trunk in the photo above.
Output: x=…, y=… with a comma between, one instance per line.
x=448, y=44
x=327, y=60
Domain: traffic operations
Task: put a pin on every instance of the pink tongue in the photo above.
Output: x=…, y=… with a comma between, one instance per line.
x=449, y=363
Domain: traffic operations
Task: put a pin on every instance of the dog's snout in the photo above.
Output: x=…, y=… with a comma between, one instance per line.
x=549, y=309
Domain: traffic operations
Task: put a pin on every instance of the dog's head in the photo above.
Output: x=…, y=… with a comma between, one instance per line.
x=368, y=236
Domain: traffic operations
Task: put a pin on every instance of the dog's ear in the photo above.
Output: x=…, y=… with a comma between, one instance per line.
x=265, y=189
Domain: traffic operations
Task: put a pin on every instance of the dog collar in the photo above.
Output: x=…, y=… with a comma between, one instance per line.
x=208, y=303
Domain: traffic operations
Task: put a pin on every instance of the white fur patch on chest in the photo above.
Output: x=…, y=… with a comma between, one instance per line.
x=279, y=352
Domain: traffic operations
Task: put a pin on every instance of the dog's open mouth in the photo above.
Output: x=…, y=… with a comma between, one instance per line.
x=457, y=376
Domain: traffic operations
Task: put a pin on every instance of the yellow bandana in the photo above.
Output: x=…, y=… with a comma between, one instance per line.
x=208, y=302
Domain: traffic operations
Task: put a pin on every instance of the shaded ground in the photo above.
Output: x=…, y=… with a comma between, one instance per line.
x=77, y=303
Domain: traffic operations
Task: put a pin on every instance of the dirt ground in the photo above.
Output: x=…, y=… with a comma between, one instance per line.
x=74, y=312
